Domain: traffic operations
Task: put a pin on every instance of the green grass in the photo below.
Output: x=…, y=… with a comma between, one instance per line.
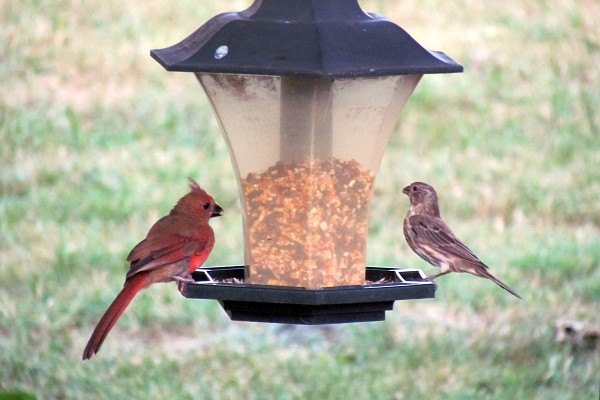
x=96, y=141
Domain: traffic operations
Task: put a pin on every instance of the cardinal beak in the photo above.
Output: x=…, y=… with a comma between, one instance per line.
x=217, y=211
x=406, y=190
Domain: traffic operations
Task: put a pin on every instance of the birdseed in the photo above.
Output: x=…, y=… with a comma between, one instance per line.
x=306, y=223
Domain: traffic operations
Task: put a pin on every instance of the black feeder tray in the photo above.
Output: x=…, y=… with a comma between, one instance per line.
x=293, y=305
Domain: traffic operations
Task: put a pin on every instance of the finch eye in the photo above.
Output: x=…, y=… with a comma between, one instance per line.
x=206, y=206
x=415, y=188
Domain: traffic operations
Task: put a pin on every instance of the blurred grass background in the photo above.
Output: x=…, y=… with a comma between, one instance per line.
x=96, y=140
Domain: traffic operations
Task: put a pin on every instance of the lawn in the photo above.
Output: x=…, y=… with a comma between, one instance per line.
x=96, y=143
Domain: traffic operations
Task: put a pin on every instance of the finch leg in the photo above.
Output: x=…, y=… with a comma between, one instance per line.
x=432, y=277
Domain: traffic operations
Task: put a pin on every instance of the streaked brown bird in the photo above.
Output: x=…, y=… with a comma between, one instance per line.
x=428, y=235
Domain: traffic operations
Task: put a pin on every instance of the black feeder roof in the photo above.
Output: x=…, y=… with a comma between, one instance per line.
x=304, y=38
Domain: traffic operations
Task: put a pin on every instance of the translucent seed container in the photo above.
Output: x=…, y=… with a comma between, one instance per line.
x=306, y=152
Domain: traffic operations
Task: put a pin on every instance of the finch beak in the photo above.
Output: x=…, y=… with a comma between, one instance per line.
x=406, y=190
x=217, y=211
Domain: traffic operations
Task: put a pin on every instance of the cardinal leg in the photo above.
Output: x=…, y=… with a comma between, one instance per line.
x=182, y=281
x=185, y=278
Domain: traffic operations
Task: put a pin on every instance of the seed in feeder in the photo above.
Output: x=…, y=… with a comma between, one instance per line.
x=316, y=213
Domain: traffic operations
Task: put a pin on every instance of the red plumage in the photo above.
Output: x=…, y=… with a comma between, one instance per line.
x=175, y=246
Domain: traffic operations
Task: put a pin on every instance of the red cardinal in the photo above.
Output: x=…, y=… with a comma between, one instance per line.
x=175, y=246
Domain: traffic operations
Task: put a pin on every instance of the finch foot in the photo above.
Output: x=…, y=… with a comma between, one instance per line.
x=430, y=279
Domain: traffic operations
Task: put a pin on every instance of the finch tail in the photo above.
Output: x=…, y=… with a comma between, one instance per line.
x=484, y=273
x=132, y=286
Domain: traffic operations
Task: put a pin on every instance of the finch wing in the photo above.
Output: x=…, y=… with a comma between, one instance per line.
x=433, y=232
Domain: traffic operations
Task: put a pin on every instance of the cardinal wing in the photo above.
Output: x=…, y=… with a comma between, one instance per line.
x=169, y=243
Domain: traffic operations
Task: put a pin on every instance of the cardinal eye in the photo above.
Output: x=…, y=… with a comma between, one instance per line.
x=206, y=206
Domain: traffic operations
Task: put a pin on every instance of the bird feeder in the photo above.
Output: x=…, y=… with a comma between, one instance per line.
x=307, y=93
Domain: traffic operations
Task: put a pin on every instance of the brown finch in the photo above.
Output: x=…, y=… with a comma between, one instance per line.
x=429, y=236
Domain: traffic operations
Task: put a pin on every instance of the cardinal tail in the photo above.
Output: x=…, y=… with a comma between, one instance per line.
x=132, y=286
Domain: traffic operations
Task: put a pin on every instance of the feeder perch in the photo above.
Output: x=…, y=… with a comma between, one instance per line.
x=292, y=305
x=307, y=93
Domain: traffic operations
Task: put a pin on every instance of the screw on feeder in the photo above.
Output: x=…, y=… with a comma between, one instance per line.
x=221, y=52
